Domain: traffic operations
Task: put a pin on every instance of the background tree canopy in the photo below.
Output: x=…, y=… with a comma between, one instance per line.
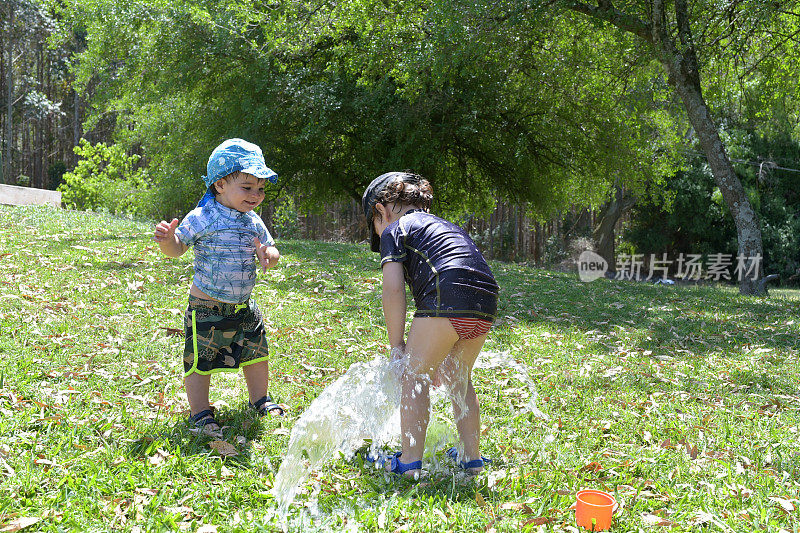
x=485, y=100
x=549, y=104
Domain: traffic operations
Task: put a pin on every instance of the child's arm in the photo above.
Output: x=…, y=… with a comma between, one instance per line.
x=394, y=303
x=164, y=235
x=267, y=255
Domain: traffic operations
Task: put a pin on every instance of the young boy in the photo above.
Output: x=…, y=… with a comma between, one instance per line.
x=224, y=327
x=456, y=299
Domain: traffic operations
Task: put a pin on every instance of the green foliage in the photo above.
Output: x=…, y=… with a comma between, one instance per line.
x=284, y=219
x=104, y=178
x=698, y=221
x=338, y=93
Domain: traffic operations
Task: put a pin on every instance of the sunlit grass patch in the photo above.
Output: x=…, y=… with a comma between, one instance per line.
x=683, y=402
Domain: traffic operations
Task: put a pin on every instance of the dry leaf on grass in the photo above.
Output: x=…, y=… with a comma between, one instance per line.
x=784, y=503
x=159, y=457
x=225, y=449
x=7, y=469
x=651, y=520
x=539, y=521
x=479, y=500
x=594, y=466
x=41, y=461
x=516, y=506
x=702, y=517
x=19, y=524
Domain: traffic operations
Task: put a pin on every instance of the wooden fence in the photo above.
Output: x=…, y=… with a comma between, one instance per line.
x=506, y=234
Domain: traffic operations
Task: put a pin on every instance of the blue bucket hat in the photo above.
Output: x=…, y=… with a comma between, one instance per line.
x=231, y=156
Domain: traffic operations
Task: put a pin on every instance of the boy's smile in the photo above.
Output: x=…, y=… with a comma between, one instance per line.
x=242, y=194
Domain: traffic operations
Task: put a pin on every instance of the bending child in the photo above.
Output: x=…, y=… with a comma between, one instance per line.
x=224, y=326
x=456, y=299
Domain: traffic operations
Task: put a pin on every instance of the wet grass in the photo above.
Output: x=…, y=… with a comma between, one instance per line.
x=681, y=401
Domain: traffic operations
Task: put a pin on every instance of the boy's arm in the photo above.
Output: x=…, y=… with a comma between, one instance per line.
x=394, y=303
x=164, y=235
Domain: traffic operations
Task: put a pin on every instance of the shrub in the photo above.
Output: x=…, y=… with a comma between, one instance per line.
x=104, y=178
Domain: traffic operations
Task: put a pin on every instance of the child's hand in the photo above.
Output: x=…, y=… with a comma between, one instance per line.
x=397, y=352
x=267, y=255
x=165, y=230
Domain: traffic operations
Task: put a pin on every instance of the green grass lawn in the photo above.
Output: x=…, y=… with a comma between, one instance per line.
x=682, y=402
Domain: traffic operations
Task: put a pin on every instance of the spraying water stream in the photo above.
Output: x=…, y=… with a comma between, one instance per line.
x=362, y=404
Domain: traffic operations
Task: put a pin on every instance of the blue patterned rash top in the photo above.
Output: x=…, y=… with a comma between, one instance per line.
x=224, y=252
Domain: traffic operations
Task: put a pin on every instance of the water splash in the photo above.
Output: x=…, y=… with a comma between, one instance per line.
x=503, y=360
x=364, y=404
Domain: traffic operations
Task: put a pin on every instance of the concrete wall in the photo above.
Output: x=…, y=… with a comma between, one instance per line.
x=13, y=195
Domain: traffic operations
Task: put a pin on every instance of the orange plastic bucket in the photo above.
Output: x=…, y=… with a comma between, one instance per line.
x=593, y=509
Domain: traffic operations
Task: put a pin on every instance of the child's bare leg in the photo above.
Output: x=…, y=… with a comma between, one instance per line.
x=469, y=423
x=456, y=374
x=429, y=341
x=257, y=378
x=197, y=387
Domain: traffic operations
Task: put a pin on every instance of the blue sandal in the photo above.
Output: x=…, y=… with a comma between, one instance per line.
x=265, y=406
x=395, y=465
x=203, y=418
x=452, y=453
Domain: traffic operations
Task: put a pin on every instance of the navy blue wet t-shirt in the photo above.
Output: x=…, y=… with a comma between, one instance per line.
x=447, y=274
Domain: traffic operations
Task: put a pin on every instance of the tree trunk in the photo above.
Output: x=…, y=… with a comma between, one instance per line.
x=76, y=123
x=37, y=180
x=680, y=61
x=9, y=95
x=603, y=232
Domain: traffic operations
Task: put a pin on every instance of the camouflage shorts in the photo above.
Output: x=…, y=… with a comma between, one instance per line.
x=221, y=337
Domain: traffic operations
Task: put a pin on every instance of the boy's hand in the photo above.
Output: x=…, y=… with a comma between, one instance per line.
x=267, y=255
x=164, y=235
x=165, y=230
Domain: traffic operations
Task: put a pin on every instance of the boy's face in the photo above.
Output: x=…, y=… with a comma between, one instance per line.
x=243, y=193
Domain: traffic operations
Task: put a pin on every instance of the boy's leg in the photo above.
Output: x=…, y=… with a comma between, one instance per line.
x=257, y=378
x=254, y=363
x=197, y=387
x=429, y=341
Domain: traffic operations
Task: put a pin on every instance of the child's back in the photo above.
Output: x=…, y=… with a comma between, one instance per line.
x=456, y=298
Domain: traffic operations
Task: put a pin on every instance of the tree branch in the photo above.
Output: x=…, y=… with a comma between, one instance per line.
x=605, y=10
x=688, y=54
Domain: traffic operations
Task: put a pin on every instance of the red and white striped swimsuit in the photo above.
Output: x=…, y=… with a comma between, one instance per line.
x=470, y=328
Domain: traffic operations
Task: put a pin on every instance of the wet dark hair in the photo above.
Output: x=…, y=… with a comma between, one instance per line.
x=400, y=192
